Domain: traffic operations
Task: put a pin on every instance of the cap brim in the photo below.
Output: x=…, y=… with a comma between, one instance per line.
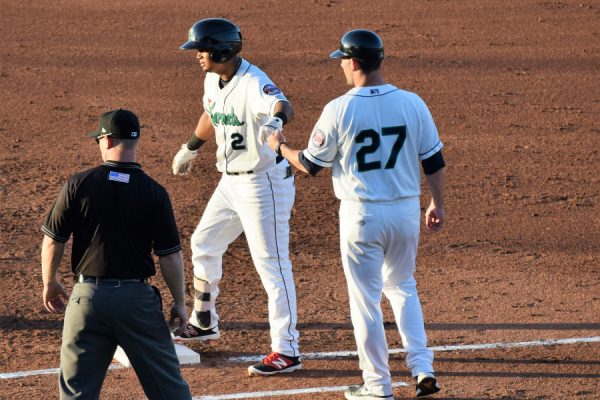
x=337, y=54
x=94, y=134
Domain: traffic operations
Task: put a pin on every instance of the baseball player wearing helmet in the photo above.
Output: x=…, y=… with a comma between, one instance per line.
x=255, y=194
x=373, y=138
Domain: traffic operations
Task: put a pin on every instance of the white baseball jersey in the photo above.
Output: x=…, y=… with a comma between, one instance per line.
x=372, y=138
x=255, y=195
x=238, y=111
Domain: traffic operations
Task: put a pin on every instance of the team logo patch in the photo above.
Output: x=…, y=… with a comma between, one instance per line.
x=271, y=89
x=318, y=139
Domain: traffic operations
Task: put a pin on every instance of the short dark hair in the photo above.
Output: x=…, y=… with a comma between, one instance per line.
x=368, y=66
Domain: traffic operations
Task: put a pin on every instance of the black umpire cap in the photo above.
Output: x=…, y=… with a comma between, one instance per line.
x=120, y=124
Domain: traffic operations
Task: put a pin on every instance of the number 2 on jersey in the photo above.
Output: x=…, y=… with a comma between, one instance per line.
x=237, y=142
x=361, y=154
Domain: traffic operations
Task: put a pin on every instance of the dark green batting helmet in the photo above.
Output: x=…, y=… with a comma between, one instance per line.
x=218, y=36
x=361, y=44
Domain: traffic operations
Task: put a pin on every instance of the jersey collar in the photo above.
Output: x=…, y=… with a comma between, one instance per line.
x=242, y=69
x=121, y=164
x=371, y=91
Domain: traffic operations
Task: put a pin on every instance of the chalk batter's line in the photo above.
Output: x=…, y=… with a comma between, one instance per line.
x=290, y=392
x=23, y=374
x=484, y=346
x=342, y=354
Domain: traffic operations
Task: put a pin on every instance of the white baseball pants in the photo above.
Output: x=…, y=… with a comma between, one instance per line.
x=260, y=206
x=379, y=245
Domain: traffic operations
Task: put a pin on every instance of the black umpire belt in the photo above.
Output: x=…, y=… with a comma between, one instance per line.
x=108, y=281
x=240, y=173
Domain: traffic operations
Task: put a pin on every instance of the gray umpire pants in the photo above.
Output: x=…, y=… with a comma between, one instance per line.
x=100, y=317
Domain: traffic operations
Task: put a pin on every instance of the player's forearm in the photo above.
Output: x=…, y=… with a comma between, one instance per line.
x=435, y=183
x=293, y=156
x=171, y=267
x=204, y=130
x=285, y=108
x=52, y=254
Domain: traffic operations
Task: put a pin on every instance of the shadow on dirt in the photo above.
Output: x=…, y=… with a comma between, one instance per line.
x=12, y=323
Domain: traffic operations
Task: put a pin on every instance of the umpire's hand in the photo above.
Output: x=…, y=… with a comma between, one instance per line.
x=178, y=317
x=53, y=296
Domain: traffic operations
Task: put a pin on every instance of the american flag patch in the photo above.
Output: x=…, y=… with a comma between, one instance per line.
x=118, y=177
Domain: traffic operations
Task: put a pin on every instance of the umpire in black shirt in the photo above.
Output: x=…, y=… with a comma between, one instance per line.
x=117, y=215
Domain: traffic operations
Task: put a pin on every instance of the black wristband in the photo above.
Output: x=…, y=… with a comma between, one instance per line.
x=194, y=143
x=282, y=115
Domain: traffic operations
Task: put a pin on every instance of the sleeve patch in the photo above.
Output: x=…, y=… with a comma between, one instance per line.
x=270, y=89
x=318, y=139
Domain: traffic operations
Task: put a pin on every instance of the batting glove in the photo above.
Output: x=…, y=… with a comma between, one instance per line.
x=182, y=163
x=272, y=125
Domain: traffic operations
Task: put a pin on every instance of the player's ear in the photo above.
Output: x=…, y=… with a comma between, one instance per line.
x=109, y=142
x=355, y=64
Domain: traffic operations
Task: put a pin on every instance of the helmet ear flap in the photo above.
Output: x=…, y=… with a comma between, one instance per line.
x=224, y=52
x=220, y=54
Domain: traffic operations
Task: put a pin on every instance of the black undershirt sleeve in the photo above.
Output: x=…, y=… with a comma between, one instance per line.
x=310, y=166
x=433, y=164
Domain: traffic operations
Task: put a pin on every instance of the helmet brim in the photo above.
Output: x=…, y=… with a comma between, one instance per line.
x=338, y=54
x=189, y=45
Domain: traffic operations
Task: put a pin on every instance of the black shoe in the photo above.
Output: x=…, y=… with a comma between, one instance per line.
x=426, y=384
x=275, y=363
x=191, y=333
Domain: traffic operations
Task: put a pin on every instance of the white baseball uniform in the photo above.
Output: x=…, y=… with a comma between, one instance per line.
x=373, y=138
x=255, y=196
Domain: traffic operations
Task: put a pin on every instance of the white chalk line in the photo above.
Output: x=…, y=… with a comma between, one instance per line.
x=484, y=346
x=49, y=371
x=342, y=354
x=290, y=392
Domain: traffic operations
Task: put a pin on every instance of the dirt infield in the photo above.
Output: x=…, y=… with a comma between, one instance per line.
x=514, y=88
